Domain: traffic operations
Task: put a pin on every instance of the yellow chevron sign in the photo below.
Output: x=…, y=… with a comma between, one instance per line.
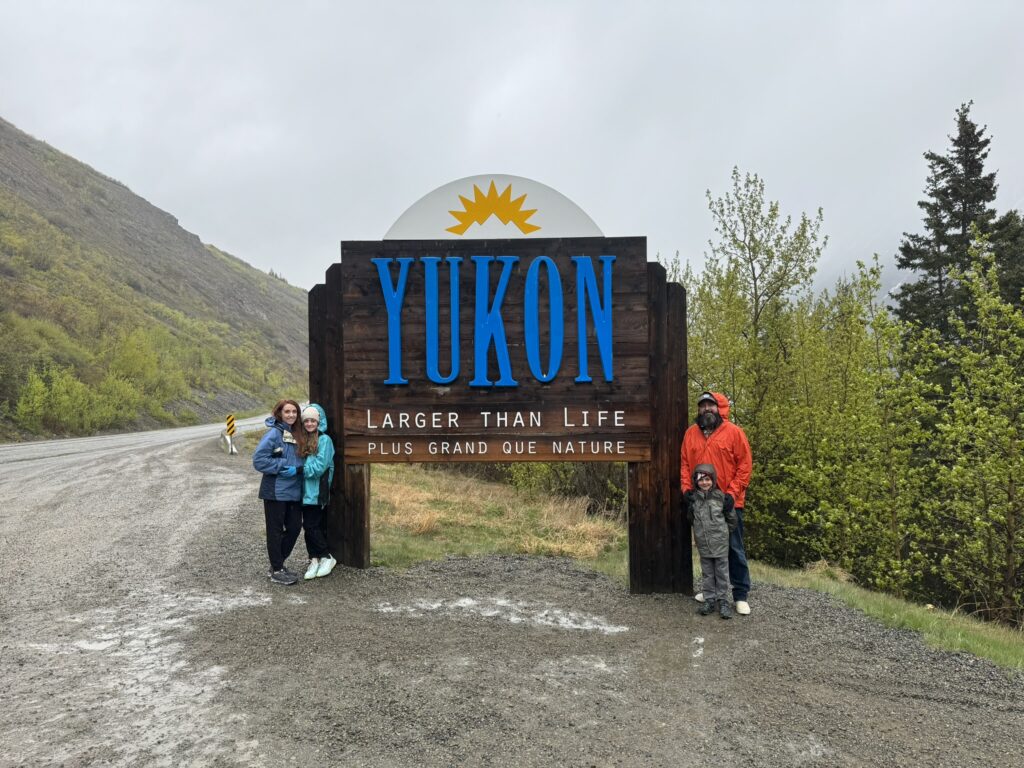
x=230, y=428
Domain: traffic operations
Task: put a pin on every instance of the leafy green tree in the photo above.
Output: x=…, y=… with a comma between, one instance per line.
x=982, y=433
x=761, y=260
x=863, y=455
x=742, y=315
x=32, y=403
x=958, y=194
x=906, y=509
x=70, y=404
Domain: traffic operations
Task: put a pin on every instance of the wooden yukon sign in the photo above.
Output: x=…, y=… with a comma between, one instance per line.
x=495, y=322
x=503, y=350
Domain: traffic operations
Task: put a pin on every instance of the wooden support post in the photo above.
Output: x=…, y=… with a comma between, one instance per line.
x=347, y=518
x=647, y=532
x=681, y=554
x=659, y=541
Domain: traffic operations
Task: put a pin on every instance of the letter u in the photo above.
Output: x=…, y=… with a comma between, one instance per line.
x=433, y=316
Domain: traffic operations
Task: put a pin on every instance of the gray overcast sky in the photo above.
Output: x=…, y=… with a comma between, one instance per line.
x=275, y=129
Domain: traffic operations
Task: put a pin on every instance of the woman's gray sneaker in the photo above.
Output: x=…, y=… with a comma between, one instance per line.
x=283, y=577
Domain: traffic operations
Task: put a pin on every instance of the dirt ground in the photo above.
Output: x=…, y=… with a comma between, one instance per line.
x=139, y=628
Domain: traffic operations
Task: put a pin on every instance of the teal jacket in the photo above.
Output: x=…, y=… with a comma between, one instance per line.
x=318, y=471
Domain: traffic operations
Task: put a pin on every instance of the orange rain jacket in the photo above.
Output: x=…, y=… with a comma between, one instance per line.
x=726, y=449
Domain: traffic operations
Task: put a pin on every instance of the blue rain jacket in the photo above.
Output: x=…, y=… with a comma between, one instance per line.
x=276, y=451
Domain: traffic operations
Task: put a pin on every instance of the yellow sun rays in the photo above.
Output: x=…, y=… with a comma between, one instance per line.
x=482, y=207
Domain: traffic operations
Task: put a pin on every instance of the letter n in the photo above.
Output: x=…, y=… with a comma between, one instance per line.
x=586, y=285
x=531, y=319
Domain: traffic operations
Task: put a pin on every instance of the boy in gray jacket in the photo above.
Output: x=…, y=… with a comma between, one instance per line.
x=713, y=517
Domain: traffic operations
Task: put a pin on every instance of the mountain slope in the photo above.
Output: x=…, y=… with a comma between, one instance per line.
x=112, y=315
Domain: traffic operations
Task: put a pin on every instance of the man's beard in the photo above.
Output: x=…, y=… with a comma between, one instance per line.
x=709, y=420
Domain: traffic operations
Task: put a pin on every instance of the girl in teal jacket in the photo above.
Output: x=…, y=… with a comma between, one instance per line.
x=317, y=474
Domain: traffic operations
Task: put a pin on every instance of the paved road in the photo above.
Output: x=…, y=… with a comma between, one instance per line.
x=107, y=445
x=93, y=533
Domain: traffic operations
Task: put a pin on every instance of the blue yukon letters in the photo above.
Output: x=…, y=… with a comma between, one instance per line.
x=489, y=324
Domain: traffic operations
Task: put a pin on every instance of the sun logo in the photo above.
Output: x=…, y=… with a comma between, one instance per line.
x=482, y=207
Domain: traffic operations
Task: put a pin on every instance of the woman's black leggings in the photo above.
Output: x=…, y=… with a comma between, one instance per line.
x=284, y=521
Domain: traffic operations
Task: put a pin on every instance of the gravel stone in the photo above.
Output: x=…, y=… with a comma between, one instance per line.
x=139, y=628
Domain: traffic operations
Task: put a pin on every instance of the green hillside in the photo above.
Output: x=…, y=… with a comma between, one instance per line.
x=114, y=317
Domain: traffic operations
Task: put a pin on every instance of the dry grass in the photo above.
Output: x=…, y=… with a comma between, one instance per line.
x=422, y=514
x=420, y=522
x=827, y=570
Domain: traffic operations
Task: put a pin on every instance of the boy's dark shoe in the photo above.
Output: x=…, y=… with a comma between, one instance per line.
x=706, y=608
x=725, y=610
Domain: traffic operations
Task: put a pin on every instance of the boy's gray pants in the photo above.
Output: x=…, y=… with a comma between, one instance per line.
x=715, y=582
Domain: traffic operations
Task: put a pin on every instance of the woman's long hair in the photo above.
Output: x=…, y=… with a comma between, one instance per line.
x=296, y=429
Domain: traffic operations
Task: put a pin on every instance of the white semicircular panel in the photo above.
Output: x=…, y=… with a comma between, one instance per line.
x=492, y=207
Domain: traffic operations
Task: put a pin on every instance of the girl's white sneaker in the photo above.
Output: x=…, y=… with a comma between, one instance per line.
x=326, y=565
x=312, y=571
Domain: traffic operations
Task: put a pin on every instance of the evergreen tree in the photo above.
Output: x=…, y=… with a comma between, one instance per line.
x=1008, y=247
x=959, y=194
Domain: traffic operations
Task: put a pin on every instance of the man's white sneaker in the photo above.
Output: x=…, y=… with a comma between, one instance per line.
x=699, y=597
x=742, y=607
x=326, y=565
x=314, y=566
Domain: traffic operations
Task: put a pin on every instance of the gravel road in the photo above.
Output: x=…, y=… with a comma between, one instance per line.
x=138, y=628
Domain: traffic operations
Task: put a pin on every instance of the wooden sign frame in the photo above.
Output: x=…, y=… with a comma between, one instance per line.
x=617, y=397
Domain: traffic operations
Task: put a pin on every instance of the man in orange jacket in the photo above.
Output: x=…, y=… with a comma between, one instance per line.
x=715, y=440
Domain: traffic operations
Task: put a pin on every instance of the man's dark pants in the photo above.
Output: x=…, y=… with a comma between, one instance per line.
x=284, y=522
x=739, y=571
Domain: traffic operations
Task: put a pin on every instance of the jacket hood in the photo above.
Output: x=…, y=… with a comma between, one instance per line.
x=706, y=469
x=723, y=405
x=271, y=422
x=323, y=417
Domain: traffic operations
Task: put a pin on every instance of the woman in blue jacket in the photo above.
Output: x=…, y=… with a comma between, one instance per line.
x=318, y=471
x=278, y=458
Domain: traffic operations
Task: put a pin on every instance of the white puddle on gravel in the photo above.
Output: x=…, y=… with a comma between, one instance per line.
x=698, y=647
x=133, y=683
x=514, y=612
